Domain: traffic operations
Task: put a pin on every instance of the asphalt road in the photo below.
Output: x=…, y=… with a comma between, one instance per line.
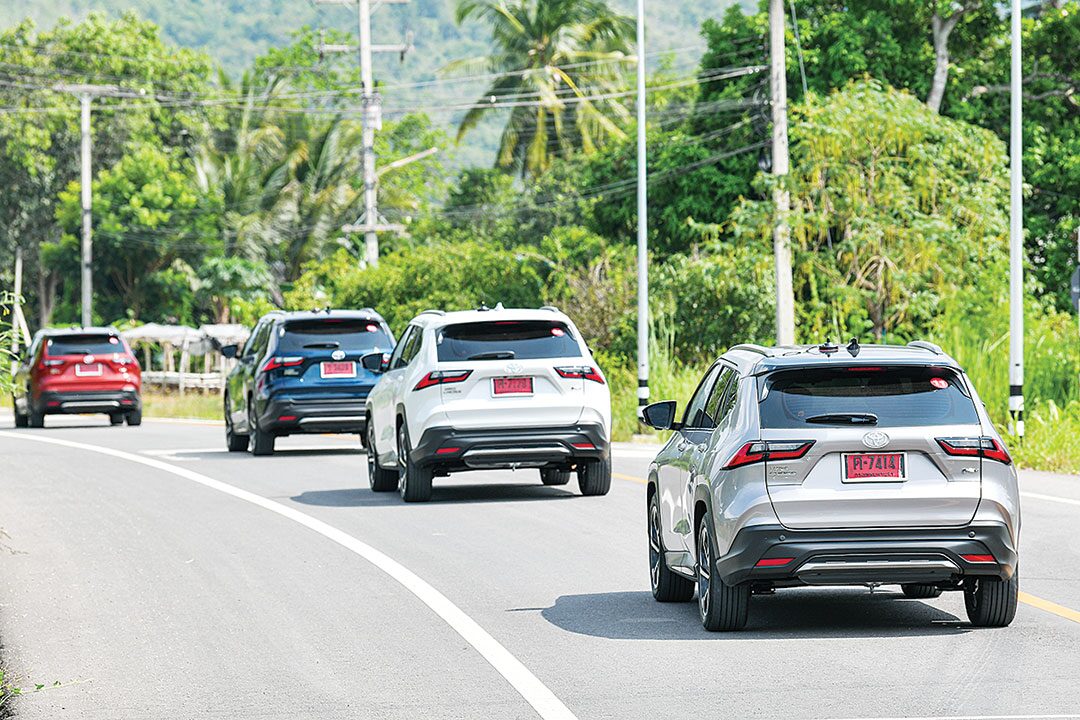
x=155, y=575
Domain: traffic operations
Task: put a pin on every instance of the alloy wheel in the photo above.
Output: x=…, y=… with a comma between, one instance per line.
x=704, y=570
x=655, y=553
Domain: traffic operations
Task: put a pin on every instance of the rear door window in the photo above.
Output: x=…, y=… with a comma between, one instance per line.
x=506, y=340
x=901, y=396
x=351, y=335
x=88, y=344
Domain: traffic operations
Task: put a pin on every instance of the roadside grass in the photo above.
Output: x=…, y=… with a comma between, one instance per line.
x=192, y=404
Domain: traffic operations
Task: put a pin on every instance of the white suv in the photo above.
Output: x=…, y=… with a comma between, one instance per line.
x=488, y=389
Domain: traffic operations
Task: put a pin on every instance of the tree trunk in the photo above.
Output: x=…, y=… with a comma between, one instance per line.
x=941, y=28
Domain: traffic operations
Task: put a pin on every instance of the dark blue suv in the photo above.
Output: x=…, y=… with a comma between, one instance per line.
x=303, y=372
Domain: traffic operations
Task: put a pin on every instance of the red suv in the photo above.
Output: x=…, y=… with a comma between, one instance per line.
x=84, y=370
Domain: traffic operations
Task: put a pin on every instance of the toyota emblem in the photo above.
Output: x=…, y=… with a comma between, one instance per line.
x=514, y=369
x=338, y=355
x=875, y=439
x=88, y=359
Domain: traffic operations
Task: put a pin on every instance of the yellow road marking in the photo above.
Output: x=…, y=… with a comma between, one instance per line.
x=1026, y=598
x=1050, y=607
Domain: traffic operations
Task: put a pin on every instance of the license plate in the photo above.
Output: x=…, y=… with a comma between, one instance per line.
x=512, y=386
x=859, y=467
x=338, y=369
x=88, y=370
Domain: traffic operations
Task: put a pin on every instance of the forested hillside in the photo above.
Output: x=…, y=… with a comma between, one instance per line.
x=234, y=32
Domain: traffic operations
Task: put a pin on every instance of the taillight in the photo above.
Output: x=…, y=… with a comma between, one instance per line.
x=754, y=452
x=773, y=562
x=986, y=447
x=279, y=362
x=979, y=558
x=442, y=377
x=51, y=363
x=581, y=372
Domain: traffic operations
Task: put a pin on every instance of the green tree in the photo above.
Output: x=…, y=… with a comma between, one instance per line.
x=895, y=210
x=558, y=67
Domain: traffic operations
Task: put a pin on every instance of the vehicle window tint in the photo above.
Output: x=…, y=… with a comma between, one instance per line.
x=898, y=396
x=350, y=335
x=400, y=359
x=712, y=415
x=262, y=339
x=731, y=397
x=506, y=340
x=88, y=344
x=695, y=411
x=249, y=346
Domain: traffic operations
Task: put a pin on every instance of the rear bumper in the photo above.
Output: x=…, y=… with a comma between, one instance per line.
x=314, y=415
x=484, y=449
x=842, y=557
x=57, y=403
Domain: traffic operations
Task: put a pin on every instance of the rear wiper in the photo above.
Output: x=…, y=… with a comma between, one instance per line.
x=494, y=355
x=842, y=418
x=322, y=346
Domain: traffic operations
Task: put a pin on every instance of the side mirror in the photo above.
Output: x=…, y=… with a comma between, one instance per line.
x=375, y=362
x=229, y=351
x=660, y=415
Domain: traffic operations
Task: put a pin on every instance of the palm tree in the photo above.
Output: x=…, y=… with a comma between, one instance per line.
x=558, y=65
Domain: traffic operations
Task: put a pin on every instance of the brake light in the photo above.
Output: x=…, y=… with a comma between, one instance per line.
x=979, y=558
x=581, y=372
x=442, y=377
x=773, y=562
x=986, y=447
x=754, y=452
x=279, y=362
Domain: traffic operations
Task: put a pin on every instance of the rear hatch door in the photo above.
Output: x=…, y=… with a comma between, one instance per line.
x=319, y=359
x=521, y=373
x=875, y=460
x=86, y=362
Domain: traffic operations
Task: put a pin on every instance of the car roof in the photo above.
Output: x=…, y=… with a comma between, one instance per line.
x=438, y=318
x=60, y=332
x=362, y=314
x=758, y=359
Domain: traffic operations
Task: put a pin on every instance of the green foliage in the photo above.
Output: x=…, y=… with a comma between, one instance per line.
x=894, y=208
x=562, y=54
x=7, y=330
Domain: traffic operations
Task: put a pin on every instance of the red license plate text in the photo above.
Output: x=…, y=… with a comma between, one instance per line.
x=874, y=465
x=513, y=386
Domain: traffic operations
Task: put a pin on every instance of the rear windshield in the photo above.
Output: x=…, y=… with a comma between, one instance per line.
x=89, y=344
x=350, y=335
x=506, y=340
x=881, y=397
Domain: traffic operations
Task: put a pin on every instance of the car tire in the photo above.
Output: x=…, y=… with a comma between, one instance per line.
x=722, y=607
x=21, y=420
x=594, y=476
x=991, y=602
x=379, y=478
x=134, y=418
x=234, y=441
x=34, y=418
x=414, y=483
x=667, y=586
x=116, y=418
x=554, y=476
x=920, y=591
x=262, y=442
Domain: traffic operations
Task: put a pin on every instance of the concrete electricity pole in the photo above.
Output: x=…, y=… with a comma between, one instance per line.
x=785, y=296
x=85, y=94
x=370, y=223
x=1016, y=233
x=643, y=219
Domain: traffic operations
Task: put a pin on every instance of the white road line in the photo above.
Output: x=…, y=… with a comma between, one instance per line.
x=1051, y=498
x=546, y=704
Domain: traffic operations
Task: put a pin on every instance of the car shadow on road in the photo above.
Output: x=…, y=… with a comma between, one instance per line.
x=791, y=614
x=447, y=495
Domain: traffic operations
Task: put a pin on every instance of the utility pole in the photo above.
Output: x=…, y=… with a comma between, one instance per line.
x=86, y=93
x=1016, y=234
x=370, y=223
x=643, y=219
x=785, y=296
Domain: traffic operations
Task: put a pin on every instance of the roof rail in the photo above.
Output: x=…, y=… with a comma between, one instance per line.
x=433, y=312
x=924, y=345
x=550, y=308
x=750, y=347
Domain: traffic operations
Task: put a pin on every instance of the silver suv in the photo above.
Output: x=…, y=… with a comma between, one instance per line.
x=822, y=465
